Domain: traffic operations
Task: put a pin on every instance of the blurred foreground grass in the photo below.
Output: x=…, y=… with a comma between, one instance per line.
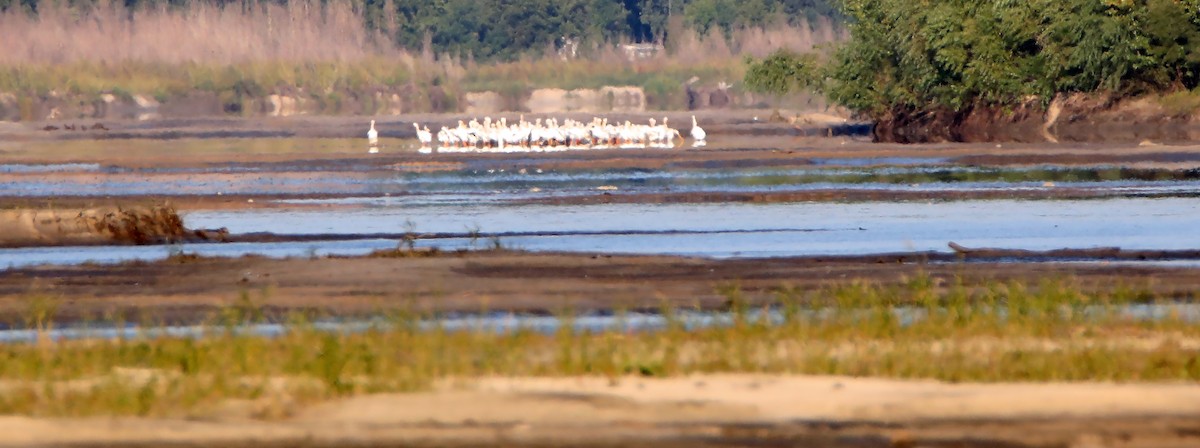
x=1048, y=331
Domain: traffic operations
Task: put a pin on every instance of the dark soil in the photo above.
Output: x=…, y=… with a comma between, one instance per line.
x=191, y=289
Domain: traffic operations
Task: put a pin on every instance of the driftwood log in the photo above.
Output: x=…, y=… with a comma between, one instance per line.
x=991, y=252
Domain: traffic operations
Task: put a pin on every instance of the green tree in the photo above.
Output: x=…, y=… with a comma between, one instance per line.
x=652, y=15
x=810, y=10
x=704, y=15
x=784, y=72
x=606, y=20
x=506, y=29
x=1091, y=45
x=944, y=58
x=1174, y=41
x=753, y=12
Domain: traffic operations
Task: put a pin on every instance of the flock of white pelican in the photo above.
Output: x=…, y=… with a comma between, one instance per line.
x=549, y=135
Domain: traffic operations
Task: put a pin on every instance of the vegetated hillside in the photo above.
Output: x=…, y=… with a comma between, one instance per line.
x=80, y=58
x=938, y=70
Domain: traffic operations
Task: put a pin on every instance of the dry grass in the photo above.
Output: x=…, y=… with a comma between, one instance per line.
x=202, y=34
x=711, y=59
x=304, y=31
x=1180, y=104
x=303, y=47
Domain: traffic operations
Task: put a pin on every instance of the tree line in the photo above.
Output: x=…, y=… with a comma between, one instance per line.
x=908, y=59
x=506, y=29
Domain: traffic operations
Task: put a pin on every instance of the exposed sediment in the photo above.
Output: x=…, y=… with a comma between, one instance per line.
x=713, y=410
x=1067, y=118
x=93, y=226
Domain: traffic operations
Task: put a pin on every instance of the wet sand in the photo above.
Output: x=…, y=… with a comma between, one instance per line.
x=188, y=289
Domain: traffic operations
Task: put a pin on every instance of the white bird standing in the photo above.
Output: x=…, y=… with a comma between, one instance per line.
x=424, y=136
x=698, y=134
x=373, y=137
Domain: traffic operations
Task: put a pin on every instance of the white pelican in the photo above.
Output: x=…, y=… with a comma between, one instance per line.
x=372, y=135
x=424, y=136
x=698, y=134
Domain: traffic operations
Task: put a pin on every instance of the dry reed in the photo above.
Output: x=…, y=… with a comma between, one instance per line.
x=300, y=31
x=249, y=50
x=202, y=34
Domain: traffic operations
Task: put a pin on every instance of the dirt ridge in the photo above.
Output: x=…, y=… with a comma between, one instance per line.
x=1066, y=118
x=92, y=226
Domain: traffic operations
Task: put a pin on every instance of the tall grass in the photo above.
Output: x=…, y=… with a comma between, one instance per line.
x=110, y=34
x=1050, y=330
x=321, y=49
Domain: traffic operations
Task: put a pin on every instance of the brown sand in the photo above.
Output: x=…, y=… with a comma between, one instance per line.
x=704, y=410
x=109, y=225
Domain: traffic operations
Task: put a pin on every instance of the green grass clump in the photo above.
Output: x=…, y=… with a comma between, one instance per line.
x=926, y=328
x=1181, y=103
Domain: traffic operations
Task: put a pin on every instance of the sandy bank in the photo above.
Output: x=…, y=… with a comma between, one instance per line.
x=708, y=410
x=109, y=225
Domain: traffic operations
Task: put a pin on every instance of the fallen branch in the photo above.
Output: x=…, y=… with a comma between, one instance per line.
x=991, y=252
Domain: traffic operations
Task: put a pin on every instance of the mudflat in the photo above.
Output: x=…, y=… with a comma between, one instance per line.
x=200, y=155
x=188, y=289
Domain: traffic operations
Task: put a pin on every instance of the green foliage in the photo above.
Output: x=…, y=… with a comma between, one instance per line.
x=953, y=55
x=1174, y=41
x=705, y=15
x=783, y=72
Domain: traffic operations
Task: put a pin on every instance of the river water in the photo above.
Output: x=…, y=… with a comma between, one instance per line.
x=1134, y=210
x=711, y=230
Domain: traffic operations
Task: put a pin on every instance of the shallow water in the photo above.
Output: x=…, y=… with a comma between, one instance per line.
x=491, y=195
x=15, y=258
x=755, y=230
x=48, y=167
x=505, y=323
x=710, y=230
x=510, y=178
